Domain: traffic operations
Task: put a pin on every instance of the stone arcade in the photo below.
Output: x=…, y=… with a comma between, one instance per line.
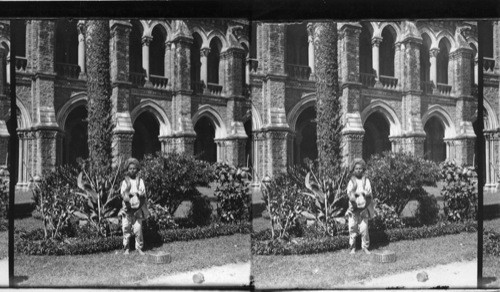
x=230, y=90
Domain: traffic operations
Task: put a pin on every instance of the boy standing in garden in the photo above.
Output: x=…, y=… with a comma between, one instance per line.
x=134, y=208
x=360, y=208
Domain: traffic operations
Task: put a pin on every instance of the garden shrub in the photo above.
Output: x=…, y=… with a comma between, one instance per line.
x=200, y=213
x=4, y=199
x=459, y=191
x=56, y=200
x=285, y=203
x=171, y=178
x=327, y=201
x=160, y=217
x=398, y=178
x=100, y=199
x=491, y=243
x=262, y=244
x=385, y=218
x=232, y=192
x=428, y=210
x=33, y=242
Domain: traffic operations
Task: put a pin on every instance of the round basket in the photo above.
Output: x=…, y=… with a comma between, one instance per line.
x=385, y=256
x=160, y=258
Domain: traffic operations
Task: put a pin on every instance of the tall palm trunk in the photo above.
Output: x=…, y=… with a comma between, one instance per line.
x=328, y=106
x=100, y=124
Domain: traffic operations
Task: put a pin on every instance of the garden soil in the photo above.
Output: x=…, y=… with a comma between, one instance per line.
x=454, y=275
x=236, y=274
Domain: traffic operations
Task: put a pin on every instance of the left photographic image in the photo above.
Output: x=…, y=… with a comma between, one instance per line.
x=7, y=124
x=134, y=152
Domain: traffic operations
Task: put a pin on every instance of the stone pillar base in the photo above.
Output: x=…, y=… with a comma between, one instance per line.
x=412, y=144
x=122, y=146
x=463, y=150
x=234, y=151
x=353, y=146
x=47, y=142
x=179, y=144
x=276, y=143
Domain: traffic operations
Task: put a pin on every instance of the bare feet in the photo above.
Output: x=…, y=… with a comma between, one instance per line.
x=366, y=250
x=140, y=252
x=353, y=251
x=126, y=251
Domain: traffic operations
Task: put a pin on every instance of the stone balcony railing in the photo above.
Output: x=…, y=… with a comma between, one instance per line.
x=427, y=87
x=253, y=64
x=21, y=63
x=137, y=79
x=298, y=71
x=158, y=82
x=489, y=65
x=444, y=89
x=367, y=79
x=214, y=89
x=388, y=82
x=197, y=86
x=67, y=70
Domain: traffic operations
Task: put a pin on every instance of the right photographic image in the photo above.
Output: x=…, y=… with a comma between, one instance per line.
x=365, y=159
x=490, y=43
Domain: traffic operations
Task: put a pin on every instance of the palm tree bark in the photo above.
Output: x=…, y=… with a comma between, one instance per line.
x=328, y=105
x=100, y=125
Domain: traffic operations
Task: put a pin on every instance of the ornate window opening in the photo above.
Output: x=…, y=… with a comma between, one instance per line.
x=365, y=51
x=387, y=52
x=376, y=138
x=157, y=51
x=434, y=145
x=66, y=48
x=135, y=53
x=204, y=145
x=146, y=132
x=443, y=61
x=214, y=61
x=305, y=144
x=75, y=139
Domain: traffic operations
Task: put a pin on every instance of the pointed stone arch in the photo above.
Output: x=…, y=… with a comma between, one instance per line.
x=158, y=112
x=208, y=111
x=387, y=111
x=74, y=101
x=444, y=116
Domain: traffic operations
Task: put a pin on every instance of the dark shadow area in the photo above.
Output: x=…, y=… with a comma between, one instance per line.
x=257, y=209
x=491, y=211
x=378, y=239
x=16, y=280
x=23, y=210
x=485, y=281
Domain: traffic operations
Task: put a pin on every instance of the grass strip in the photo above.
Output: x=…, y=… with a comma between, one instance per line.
x=262, y=244
x=32, y=243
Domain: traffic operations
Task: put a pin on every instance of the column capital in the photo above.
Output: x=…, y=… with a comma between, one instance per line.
x=433, y=52
x=81, y=27
x=310, y=31
x=146, y=40
x=204, y=52
x=376, y=41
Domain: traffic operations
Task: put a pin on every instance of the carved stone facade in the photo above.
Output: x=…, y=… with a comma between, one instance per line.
x=156, y=101
x=395, y=94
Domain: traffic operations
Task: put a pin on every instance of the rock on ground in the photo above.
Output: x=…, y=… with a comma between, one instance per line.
x=237, y=274
x=454, y=275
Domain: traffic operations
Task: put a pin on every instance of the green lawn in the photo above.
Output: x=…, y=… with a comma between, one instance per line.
x=4, y=244
x=491, y=264
x=115, y=269
x=328, y=270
